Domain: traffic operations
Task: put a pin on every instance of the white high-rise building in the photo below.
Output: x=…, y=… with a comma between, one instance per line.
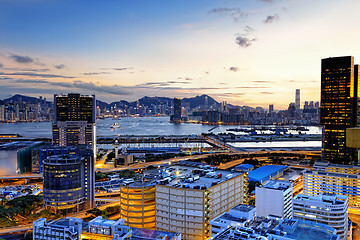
x=329, y=209
x=275, y=199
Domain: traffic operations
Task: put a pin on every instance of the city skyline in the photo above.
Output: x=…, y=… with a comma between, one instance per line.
x=243, y=52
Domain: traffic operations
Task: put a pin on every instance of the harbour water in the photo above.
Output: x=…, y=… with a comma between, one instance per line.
x=132, y=126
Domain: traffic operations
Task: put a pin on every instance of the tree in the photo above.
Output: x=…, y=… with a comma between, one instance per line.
x=95, y=212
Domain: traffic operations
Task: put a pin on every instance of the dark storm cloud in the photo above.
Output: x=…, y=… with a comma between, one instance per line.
x=21, y=59
x=234, y=69
x=234, y=13
x=271, y=18
x=35, y=75
x=60, y=66
x=1, y=65
x=244, y=41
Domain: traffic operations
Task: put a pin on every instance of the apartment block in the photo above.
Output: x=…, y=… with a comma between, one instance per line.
x=333, y=180
x=181, y=198
x=329, y=209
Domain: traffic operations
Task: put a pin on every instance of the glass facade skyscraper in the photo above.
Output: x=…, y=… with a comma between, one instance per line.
x=74, y=120
x=339, y=92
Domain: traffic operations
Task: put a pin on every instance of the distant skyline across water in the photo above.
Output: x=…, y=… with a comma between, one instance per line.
x=128, y=126
x=251, y=52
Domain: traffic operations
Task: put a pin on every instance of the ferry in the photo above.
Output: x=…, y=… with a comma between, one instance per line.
x=115, y=125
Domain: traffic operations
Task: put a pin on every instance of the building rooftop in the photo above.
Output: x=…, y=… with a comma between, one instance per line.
x=228, y=216
x=266, y=172
x=333, y=174
x=14, y=146
x=244, y=166
x=243, y=208
x=142, y=234
x=325, y=197
x=288, y=228
x=277, y=185
x=306, y=230
x=181, y=176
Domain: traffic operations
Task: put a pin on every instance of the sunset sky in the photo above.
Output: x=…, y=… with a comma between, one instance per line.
x=245, y=52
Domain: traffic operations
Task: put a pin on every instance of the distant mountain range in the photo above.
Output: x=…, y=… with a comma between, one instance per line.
x=193, y=102
x=19, y=97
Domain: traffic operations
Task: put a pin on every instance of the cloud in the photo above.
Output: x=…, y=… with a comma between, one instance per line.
x=262, y=81
x=234, y=13
x=269, y=1
x=249, y=87
x=160, y=85
x=28, y=69
x=244, y=41
x=1, y=65
x=21, y=59
x=60, y=66
x=234, y=69
x=271, y=18
x=34, y=75
x=248, y=29
x=95, y=73
x=266, y=93
x=113, y=89
x=30, y=81
x=121, y=69
x=188, y=79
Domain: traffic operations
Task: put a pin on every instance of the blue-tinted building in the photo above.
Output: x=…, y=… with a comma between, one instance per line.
x=244, y=168
x=15, y=157
x=39, y=154
x=267, y=172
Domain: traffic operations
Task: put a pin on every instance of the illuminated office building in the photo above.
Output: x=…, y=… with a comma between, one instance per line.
x=339, y=90
x=69, y=181
x=74, y=120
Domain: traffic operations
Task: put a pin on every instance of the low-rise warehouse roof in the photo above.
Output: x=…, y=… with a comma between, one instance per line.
x=266, y=172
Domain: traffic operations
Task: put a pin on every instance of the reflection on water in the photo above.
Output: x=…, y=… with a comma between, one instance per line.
x=130, y=126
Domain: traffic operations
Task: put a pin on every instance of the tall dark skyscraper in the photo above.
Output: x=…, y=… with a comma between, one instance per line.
x=339, y=93
x=74, y=120
x=297, y=99
x=176, y=117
